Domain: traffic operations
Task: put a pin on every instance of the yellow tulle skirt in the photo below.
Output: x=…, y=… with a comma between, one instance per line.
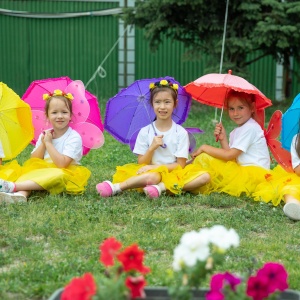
x=229, y=177
x=71, y=180
x=278, y=184
x=173, y=181
x=10, y=171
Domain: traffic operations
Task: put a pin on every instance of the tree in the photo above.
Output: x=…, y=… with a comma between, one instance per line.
x=257, y=27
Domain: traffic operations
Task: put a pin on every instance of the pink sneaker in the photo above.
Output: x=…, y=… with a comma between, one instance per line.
x=105, y=189
x=152, y=191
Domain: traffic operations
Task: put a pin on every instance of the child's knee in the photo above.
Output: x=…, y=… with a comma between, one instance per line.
x=153, y=178
x=206, y=177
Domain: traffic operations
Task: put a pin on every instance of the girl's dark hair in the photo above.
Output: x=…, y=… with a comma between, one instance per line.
x=157, y=89
x=66, y=101
x=245, y=98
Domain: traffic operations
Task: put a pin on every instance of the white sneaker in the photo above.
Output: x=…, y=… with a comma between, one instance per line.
x=12, y=197
x=292, y=211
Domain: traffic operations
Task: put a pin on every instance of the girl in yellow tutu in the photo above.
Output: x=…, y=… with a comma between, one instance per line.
x=54, y=163
x=281, y=185
x=162, y=147
x=242, y=162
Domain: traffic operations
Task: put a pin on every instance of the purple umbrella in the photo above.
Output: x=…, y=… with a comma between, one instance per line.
x=130, y=110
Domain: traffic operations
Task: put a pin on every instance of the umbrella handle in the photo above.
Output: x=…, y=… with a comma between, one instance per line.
x=164, y=145
x=217, y=138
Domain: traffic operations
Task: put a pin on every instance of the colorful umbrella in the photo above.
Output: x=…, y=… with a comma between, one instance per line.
x=290, y=123
x=130, y=109
x=212, y=89
x=16, y=129
x=86, y=119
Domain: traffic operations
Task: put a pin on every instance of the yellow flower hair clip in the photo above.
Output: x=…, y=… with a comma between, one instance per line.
x=164, y=83
x=58, y=93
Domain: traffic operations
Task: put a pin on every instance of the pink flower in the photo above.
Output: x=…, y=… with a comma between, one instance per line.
x=276, y=276
x=108, y=250
x=218, y=282
x=136, y=286
x=214, y=295
x=257, y=287
x=80, y=288
x=132, y=259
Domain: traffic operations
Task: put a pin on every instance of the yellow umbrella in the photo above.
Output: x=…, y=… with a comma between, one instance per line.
x=16, y=129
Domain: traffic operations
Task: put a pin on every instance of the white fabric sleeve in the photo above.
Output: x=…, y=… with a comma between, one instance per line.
x=243, y=139
x=183, y=144
x=141, y=145
x=295, y=157
x=1, y=151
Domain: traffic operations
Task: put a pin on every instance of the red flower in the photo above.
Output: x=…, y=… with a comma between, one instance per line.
x=257, y=287
x=108, y=250
x=276, y=275
x=136, y=286
x=132, y=259
x=80, y=288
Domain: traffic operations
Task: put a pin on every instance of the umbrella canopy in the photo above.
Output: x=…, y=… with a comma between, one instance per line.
x=86, y=118
x=212, y=89
x=16, y=129
x=290, y=123
x=130, y=109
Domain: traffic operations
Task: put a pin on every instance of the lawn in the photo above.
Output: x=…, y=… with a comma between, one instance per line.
x=50, y=239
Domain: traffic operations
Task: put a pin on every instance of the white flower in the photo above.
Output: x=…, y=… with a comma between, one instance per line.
x=223, y=238
x=193, y=246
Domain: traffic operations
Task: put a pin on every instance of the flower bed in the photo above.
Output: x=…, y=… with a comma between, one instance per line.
x=196, y=256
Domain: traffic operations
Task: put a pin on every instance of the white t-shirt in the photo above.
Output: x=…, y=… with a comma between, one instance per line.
x=250, y=139
x=295, y=157
x=1, y=151
x=69, y=144
x=176, y=139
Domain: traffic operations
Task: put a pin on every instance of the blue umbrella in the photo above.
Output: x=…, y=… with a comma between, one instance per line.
x=290, y=123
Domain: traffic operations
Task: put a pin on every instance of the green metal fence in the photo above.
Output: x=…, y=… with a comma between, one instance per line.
x=43, y=39
x=44, y=43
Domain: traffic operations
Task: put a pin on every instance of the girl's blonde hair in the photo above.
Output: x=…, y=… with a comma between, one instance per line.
x=67, y=102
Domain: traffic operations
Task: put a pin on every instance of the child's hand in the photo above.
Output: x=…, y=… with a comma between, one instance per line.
x=145, y=169
x=197, y=152
x=48, y=135
x=157, y=142
x=220, y=132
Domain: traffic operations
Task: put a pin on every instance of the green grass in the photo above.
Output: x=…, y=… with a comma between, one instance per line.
x=50, y=239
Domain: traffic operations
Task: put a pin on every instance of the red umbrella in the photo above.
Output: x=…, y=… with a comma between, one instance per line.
x=212, y=89
x=86, y=119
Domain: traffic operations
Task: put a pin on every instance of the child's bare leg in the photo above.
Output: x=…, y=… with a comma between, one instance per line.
x=107, y=189
x=27, y=185
x=141, y=181
x=197, y=182
x=292, y=207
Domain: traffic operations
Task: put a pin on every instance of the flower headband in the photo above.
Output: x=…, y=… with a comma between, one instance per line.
x=164, y=83
x=58, y=93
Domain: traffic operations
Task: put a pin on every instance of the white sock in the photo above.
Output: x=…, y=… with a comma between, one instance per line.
x=162, y=186
x=117, y=188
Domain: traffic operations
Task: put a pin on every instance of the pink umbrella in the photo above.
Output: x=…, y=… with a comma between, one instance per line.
x=212, y=89
x=86, y=119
